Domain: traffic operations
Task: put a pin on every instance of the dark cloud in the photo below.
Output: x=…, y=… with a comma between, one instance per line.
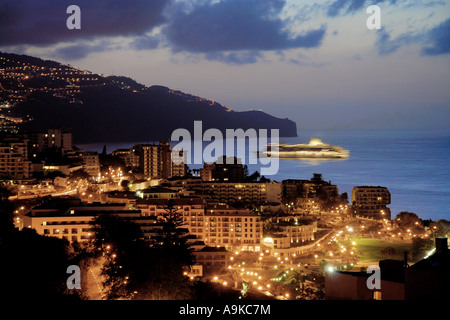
x=384, y=43
x=236, y=58
x=43, y=23
x=435, y=41
x=351, y=6
x=439, y=38
x=234, y=25
x=343, y=7
x=147, y=42
x=79, y=51
x=231, y=31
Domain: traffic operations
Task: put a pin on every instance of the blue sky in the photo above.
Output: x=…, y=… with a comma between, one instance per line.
x=314, y=62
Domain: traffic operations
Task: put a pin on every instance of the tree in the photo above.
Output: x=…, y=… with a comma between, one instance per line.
x=441, y=228
x=191, y=172
x=6, y=213
x=253, y=177
x=136, y=269
x=373, y=228
x=120, y=242
x=245, y=171
x=420, y=246
x=171, y=236
x=124, y=184
x=344, y=198
x=109, y=160
x=317, y=178
x=79, y=175
x=53, y=174
x=34, y=266
x=406, y=220
x=388, y=251
x=174, y=253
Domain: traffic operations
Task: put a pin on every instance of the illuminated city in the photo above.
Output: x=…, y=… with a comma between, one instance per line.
x=99, y=202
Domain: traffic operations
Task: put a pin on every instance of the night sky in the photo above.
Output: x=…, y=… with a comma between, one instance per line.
x=313, y=61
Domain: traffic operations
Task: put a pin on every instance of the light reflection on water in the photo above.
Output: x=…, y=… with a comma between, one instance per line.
x=412, y=165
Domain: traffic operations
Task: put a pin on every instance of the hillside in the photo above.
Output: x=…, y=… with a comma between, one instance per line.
x=37, y=94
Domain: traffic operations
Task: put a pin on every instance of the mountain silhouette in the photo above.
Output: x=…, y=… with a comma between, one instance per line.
x=98, y=108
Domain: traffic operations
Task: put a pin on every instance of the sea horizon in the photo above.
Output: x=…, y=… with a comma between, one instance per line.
x=410, y=163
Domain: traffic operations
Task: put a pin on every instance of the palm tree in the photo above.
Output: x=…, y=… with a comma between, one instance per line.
x=293, y=278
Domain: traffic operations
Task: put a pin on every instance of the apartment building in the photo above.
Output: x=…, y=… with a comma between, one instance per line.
x=190, y=208
x=296, y=189
x=248, y=192
x=234, y=229
x=129, y=156
x=371, y=201
x=228, y=169
x=215, y=224
x=91, y=163
x=155, y=161
x=13, y=161
x=52, y=138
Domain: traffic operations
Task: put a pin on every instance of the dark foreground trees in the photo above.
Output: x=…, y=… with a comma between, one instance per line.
x=33, y=267
x=135, y=268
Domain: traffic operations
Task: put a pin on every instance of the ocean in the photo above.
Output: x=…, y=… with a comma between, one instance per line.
x=413, y=165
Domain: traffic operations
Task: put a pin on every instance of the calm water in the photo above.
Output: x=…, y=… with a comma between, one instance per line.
x=412, y=165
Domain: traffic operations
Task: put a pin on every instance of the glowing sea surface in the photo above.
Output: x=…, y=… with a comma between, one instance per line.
x=414, y=166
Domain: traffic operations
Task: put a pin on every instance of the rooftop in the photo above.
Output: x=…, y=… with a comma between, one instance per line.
x=159, y=189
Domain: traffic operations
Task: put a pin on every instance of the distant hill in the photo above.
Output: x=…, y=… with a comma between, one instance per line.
x=97, y=108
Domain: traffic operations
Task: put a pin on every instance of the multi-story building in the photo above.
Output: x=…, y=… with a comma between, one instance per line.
x=71, y=220
x=129, y=156
x=293, y=189
x=52, y=138
x=298, y=231
x=91, y=163
x=155, y=161
x=290, y=236
x=228, y=169
x=248, y=192
x=370, y=201
x=207, y=171
x=231, y=192
x=178, y=163
x=214, y=224
x=192, y=209
x=231, y=228
x=314, y=188
x=13, y=161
